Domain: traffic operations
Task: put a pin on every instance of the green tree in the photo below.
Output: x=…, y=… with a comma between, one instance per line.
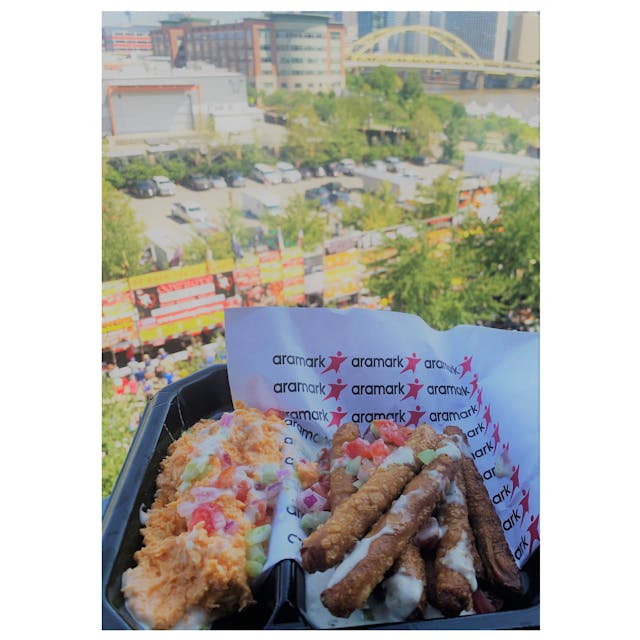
x=378, y=210
x=385, y=81
x=117, y=432
x=503, y=262
x=419, y=281
x=424, y=127
x=453, y=134
x=137, y=169
x=307, y=136
x=299, y=215
x=488, y=271
x=440, y=198
x=412, y=88
x=122, y=235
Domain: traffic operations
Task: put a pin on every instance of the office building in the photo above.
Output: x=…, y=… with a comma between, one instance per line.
x=127, y=39
x=292, y=51
x=524, y=44
x=484, y=31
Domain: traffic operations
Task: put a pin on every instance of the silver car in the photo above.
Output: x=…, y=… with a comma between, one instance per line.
x=164, y=186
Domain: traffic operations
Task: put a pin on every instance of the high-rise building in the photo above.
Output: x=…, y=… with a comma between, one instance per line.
x=413, y=42
x=484, y=31
x=282, y=51
x=524, y=42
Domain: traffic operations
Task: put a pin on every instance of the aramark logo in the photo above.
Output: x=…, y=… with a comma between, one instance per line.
x=393, y=389
x=440, y=364
x=316, y=388
x=414, y=388
x=374, y=362
x=447, y=390
x=336, y=361
x=412, y=362
x=311, y=362
x=336, y=389
x=452, y=416
x=365, y=418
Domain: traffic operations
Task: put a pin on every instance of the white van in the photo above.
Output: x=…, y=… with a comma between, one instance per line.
x=289, y=173
x=266, y=174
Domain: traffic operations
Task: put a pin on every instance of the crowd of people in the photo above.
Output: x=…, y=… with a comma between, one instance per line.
x=144, y=376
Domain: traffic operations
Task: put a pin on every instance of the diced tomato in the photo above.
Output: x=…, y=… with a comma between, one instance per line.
x=357, y=447
x=391, y=432
x=211, y=515
x=226, y=479
x=378, y=451
x=243, y=490
x=261, y=516
x=322, y=487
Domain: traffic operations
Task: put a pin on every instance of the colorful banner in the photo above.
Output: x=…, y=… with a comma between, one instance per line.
x=247, y=272
x=179, y=307
x=118, y=323
x=341, y=274
x=270, y=267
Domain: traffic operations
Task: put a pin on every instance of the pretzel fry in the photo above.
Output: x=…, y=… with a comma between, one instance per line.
x=351, y=520
x=340, y=482
x=454, y=570
x=356, y=577
x=405, y=588
x=502, y=573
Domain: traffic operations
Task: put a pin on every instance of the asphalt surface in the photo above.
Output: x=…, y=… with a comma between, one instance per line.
x=169, y=232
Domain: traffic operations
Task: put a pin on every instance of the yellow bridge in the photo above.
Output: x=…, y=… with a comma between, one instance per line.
x=370, y=51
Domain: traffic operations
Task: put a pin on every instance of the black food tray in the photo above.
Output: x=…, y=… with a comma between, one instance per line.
x=280, y=592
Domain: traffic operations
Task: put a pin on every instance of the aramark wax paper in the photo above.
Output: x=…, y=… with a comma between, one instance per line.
x=324, y=367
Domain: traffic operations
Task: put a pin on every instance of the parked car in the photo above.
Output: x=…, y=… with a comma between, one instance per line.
x=421, y=161
x=321, y=194
x=197, y=182
x=347, y=166
x=189, y=211
x=143, y=189
x=218, y=182
x=393, y=164
x=266, y=174
x=164, y=186
x=332, y=169
x=289, y=173
x=235, y=179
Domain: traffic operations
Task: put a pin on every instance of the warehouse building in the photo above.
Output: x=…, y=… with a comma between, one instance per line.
x=153, y=96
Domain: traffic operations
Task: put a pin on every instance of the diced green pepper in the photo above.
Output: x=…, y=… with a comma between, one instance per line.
x=311, y=521
x=254, y=568
x=353, y=465
x=259, y=534
x=255, y=553
x=269, y=473
x=427, y=456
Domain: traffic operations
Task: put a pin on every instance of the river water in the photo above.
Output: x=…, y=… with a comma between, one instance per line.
x=525, y=102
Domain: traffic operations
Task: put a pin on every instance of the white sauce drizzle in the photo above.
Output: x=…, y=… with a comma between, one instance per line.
x=459, y=559
x=402, y=455
x=453, y=494
x=402, y=594
x=439, y=478
x=359, y=552
x=449, y=449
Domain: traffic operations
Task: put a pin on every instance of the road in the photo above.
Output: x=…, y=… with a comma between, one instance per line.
x=169, y=233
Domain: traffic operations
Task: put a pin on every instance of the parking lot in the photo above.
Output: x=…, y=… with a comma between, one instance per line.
x=169, y=232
